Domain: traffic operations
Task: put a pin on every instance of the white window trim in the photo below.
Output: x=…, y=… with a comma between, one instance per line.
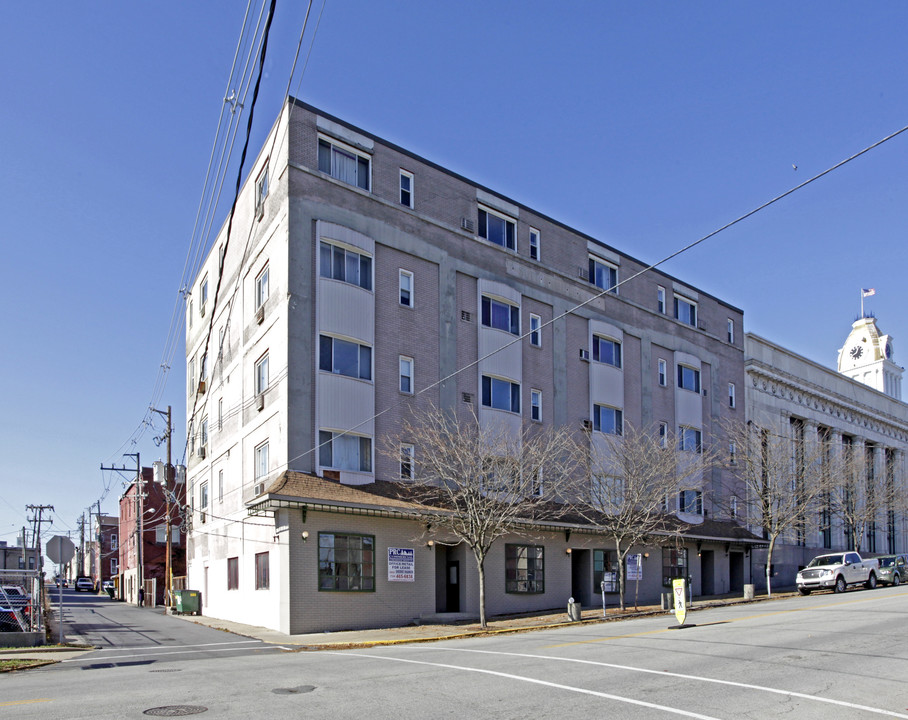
x=613, y=289
x=400, y=286
x=660, y=299
x=507, y=218
x=406, y=174
x=537, y=330
x=261, y=183
x=534, y=393
x=731, y=331
x=266, y=274
x=663, y=372
x=333, y=141
x=402, y=359
x=732, y=399
x=692, y=303
x=260, y=388
x=534, y=233
x=409, y=451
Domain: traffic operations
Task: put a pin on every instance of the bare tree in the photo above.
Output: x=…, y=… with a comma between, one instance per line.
x=780, y=482
x=478, y=481
x=630, y=479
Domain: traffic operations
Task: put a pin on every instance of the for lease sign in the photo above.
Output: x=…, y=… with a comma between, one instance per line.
x=401, y=562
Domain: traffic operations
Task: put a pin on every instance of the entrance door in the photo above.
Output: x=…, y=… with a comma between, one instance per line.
x=736, y=571
x=707, y=585
x=452, y=586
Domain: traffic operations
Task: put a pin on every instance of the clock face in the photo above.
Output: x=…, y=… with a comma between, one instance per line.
x=857, y=351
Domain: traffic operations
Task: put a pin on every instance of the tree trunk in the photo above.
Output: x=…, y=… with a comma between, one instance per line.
x=772, y=544
x=480, y=567
x=621, y=575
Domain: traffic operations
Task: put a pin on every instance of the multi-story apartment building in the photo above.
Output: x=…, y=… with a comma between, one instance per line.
x=142, y=539
x=105, y=549
x=855, y=413
x=359, y=282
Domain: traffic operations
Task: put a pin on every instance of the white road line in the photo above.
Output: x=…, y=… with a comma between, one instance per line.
x=167, y=647
x=85, y=659
x=696, y=678
x=521, y=678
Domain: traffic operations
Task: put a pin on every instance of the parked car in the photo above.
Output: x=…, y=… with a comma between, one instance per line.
x=836, y=571
x=107, y=585
x=893, y=569
x=84, y=583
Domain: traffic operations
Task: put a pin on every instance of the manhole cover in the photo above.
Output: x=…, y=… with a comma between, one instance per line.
x=298, y=690
x=175, y=710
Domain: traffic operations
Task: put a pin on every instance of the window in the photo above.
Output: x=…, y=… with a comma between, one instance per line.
x=262, y=571
x=500, y=315
x=261, y=288
x=406, y=374
x=660, y=299
x=690, y=501
x=406, y=288
x=347, y=266
x=500, y=394
x=345, y=452
x=689, y=439
x=261, y=461
x=607, y=351
x=114, y=567
x=203, y=501
x=535, y=330
x=406, y=462
x=603, y=275
x=605, y=571
x=731, y=395
x=113, y=541
x=346, y=562
x=534, y=244
x=406, y=189
x=261, y=189
x=734, y=507
x=663, y=373
x=203, y=296
x=524, y=571
x=731, y=330
x=203, y=368
x=342, y=357
x=732, y=455
x=674, y=565
x=220, y=486
x=607, y=419
x=261, y=374
x=343, y=163
x=663, y=434
x=191, y=312
x=203, y=432
x=536, y=405
x=498, y=229
x=233, y=573
x=220, y=413
x=685, y=311
x=607, y=492
x=192, y=385
x=688, y=378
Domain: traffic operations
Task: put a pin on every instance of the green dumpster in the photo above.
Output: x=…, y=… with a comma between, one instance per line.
x=189, y=602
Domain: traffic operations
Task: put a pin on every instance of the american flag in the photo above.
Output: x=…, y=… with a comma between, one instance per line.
x=867, y=292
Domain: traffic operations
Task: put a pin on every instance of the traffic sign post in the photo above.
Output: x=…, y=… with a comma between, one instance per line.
x=61, y=550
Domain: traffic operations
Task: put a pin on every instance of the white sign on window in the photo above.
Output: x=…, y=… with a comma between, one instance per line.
x=634, y=567
x=401, y=564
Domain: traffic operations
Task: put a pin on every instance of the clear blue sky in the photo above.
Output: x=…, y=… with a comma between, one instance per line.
x=647, y=125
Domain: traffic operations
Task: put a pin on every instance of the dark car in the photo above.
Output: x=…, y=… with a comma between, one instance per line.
x=893, y=569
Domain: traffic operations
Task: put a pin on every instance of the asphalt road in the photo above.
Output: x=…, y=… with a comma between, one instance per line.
x=839, y=656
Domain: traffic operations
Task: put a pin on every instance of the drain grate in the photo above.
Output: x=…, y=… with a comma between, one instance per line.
x=175, y=710
x=167, y=670
x=298, y=690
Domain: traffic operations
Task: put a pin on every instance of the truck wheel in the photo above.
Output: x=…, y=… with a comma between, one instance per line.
x=871, y=582
x=804, y=591
x=839, y=585
x=895, y=580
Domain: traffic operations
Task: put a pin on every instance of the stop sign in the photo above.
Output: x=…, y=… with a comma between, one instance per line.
x=60, y=549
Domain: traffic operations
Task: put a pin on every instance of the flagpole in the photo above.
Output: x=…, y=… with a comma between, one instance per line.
x=862, y=303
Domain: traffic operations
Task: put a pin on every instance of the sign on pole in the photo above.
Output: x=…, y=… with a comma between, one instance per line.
x=680, y=607
x=60, y=549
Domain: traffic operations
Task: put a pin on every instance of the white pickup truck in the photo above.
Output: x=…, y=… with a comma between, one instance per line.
x=836, y=571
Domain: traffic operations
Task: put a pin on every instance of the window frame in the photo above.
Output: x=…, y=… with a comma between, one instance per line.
x=690, y=497
x=534, y=244
x=203, y=502
x=261, y=188
x=233, y=573
x=261, y=378
x=263, y=571
x=260, y=461
x=365, y=264
x=531, y=576
x=685, y=372
x=660, y=299
x=326, y=440
x=690, y=439
x=262, y=287
x=692, y=313
x=617, y=416
x=612, y=269
x=365, y=582
x=324, y=339
x=489, y=396
x=536, y=405
x=675, y=564
x=535, y=330
x=336, y=146
x=488, y=317
x=405, y=275
x=730, y=328
x=662, y=370
x=407, y=455
x=406, y=377
x=602, y=341
x=732, y=396
x=509, y=239
x=409, y=191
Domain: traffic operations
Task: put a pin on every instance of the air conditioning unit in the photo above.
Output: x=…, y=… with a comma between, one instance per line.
x=201, y=389
x=467, y=224
x=466, y=316
x=583, y=273
x=260, y=314
x=202, y=452
x=587, y=424
x=467, y=397
x=584, y=354
x=260, y=401
x=259, y=489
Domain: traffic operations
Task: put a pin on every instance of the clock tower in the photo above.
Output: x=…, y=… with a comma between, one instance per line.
x=866, y=357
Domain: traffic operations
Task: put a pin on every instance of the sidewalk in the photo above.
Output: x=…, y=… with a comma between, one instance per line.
x=393, y=636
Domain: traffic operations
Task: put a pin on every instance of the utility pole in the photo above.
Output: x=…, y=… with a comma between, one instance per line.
x=139, y=496
x=168, y=472
x=39, y=556
x=81, y=553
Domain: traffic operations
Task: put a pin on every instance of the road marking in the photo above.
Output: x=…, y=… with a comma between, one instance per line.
x=85, y=659
x=534, y=681
x=166, y=647
x=697, y=678
x=24, y=702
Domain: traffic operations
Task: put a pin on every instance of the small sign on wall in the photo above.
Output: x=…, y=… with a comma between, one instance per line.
x=401, y=565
